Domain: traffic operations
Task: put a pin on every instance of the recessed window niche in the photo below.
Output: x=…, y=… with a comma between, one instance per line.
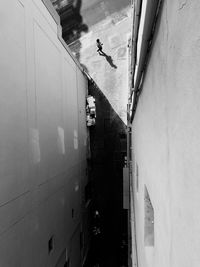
x=148, y=220
x=51, y=244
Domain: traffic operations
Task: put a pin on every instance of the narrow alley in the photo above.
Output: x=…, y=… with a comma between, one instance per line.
x=110, y=21
x=99, y=133
x=108, y=150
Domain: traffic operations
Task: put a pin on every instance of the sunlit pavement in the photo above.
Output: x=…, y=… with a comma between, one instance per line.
x=109, y=72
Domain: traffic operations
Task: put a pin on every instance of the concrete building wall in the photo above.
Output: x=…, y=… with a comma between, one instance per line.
x=42, y=140
x=166, y=141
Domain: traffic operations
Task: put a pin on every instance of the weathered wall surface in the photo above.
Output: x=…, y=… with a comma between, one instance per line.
x=42, y=140
x=166, y=140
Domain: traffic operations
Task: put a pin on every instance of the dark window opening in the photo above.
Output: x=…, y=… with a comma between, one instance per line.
x=50, y=244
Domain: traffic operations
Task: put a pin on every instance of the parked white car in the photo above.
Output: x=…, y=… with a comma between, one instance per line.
x=90, y=110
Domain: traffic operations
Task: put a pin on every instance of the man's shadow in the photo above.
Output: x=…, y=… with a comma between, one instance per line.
x=108, y=58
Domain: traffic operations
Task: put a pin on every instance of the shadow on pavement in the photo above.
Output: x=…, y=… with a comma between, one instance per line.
x=108, y=149
x=109, y=59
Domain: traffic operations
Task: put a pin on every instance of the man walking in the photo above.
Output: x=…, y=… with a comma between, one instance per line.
x=100, y=47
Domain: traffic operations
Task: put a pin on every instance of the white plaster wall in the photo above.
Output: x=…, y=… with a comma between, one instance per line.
x=167, y=139
x=42, y=92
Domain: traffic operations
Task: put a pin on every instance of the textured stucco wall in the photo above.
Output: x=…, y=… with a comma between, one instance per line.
x=167, y=139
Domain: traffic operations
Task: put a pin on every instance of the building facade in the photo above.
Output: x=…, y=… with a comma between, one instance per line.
x=43, y=141
x=164, y=120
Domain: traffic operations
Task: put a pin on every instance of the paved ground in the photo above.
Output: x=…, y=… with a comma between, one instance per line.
x=108, y=148
x=94, y=11
x=110, y=72
x=83, y=21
